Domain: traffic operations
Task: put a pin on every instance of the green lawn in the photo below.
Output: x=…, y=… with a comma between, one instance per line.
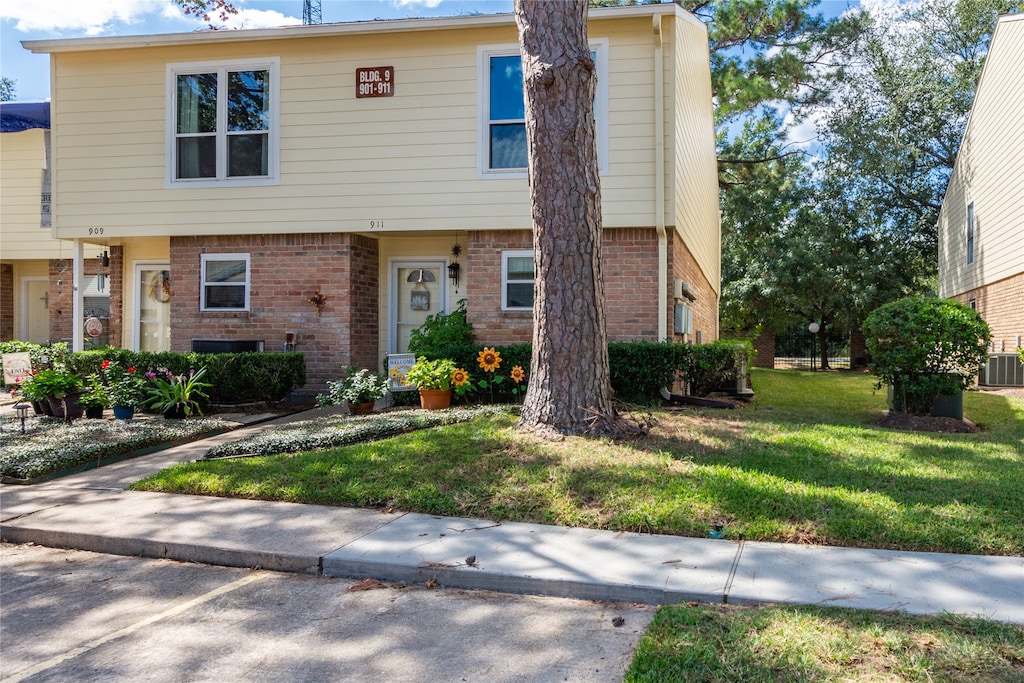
x=802, y=463
x=697, y=644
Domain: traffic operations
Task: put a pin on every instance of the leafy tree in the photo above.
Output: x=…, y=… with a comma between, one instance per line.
x=900, y=111
x=207, y=10
x=569, y=377
x=6, y=89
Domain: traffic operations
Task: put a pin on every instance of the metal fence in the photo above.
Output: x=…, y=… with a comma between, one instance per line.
x=802, y=352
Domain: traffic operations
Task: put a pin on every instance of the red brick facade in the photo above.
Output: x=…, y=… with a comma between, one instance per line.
x=1001, y=304
x=705, y=306
x=629, y=261
x=285, y=271
x=6, y=302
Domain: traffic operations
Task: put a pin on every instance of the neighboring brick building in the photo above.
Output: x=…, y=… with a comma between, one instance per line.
x=981, y=225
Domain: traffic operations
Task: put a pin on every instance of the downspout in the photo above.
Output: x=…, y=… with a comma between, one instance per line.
x=659, y=178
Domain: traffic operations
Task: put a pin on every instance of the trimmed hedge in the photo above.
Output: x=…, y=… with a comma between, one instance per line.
x=235, y=377
x=639, y=369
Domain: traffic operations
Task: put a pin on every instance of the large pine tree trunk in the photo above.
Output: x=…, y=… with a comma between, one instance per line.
x=569, y=380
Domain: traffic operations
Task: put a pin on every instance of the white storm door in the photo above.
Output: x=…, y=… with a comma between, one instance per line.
x=417, y=290
x=152, y=307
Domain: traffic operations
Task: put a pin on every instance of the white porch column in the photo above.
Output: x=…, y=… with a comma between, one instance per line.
x=77, y=298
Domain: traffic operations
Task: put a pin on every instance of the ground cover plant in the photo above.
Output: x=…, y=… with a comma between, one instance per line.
x=804, y=463
x=696, y=643
x=51, y=445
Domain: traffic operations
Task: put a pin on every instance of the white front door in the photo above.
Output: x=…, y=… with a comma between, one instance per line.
x=417, y=290
x=152, y=307
x=35, y=310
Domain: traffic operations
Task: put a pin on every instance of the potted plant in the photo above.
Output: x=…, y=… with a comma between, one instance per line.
x=176, y=396
x=433, y=378
x=61, y=387
x=125, y=387
x=358, y=389
x=33, y=393
x=95, y=398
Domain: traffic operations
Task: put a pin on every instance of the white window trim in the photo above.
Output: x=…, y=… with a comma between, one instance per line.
x=203, y=259
x=270, y=64
x=970, y=234
x=484, y=52
x=505, y=256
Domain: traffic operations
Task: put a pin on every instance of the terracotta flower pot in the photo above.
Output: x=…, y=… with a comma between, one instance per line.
x=361, y=408
x=435, y=399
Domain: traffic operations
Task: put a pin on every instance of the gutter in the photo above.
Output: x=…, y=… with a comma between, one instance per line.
x=659, y=176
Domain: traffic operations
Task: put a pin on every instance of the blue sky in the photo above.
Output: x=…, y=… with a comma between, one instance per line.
x=46, y=19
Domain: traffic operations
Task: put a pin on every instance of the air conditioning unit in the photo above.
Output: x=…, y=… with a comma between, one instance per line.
x=1003, y=370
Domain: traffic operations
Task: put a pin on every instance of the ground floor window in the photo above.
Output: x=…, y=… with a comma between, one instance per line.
x=517, y=277
x=225, y=282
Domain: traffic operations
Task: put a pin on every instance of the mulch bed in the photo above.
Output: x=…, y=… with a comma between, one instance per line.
x=924, y=423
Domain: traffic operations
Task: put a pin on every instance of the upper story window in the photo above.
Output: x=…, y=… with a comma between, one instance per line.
x=225, y=282
x=970, y=233
x=502, y=144
x=517, y=277
x=222, y=123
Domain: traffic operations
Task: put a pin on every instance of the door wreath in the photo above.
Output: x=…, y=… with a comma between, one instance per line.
x=160, y=287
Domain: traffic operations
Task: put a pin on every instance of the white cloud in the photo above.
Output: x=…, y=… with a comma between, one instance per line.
x=258, y=18
x=91, y=16
x=96, y=17
x=425, y=3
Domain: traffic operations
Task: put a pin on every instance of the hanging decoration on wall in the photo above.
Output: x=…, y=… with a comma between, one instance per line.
x=420, y=296
x=453, y=267
x=160, y=287
x=318, y=301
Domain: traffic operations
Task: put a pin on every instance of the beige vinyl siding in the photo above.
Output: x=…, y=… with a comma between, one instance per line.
x=22, y=159
x=696, y=183
x=409, y=161
x=989, y=172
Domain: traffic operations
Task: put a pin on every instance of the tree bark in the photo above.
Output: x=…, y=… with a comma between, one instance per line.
x=569, y=390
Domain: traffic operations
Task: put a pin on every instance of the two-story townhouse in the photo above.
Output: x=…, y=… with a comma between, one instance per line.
x=30, y=258
x=981, y=224
x=235, y=175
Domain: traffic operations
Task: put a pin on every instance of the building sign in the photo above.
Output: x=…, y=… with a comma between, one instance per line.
x=375, y=81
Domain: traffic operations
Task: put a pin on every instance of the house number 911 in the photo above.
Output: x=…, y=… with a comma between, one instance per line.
x=376, y=225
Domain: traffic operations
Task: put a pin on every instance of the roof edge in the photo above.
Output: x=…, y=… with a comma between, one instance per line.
x=54, y=45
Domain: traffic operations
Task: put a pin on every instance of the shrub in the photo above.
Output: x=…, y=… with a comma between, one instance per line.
x=924, y=347
x=440, y=330
x=709, y=366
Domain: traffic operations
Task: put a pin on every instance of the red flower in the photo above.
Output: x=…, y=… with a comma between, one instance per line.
x=105, y=364
x=131, y=369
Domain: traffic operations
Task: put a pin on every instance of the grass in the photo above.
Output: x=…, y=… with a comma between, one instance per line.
x=803, y=463
x=699, y=644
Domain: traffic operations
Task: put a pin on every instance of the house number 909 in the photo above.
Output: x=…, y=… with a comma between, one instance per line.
x=95, y=231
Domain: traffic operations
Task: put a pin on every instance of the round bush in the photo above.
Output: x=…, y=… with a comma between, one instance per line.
x=924, y=347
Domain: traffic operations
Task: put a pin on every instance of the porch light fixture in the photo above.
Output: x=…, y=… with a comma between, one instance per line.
x=104, y=259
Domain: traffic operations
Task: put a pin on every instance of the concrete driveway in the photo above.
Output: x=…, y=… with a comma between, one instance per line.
x=76, y=615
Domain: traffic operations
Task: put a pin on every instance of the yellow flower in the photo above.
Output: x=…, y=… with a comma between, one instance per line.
x=517, y=374
x=489, y=359
x=394, y=373
x=460, y=377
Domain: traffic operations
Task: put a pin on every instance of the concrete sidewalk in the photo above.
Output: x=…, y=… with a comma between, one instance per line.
x=92, y=511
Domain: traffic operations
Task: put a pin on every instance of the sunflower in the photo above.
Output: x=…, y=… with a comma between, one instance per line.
x=517, y=374
x=489, y=359
x=460, y=377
